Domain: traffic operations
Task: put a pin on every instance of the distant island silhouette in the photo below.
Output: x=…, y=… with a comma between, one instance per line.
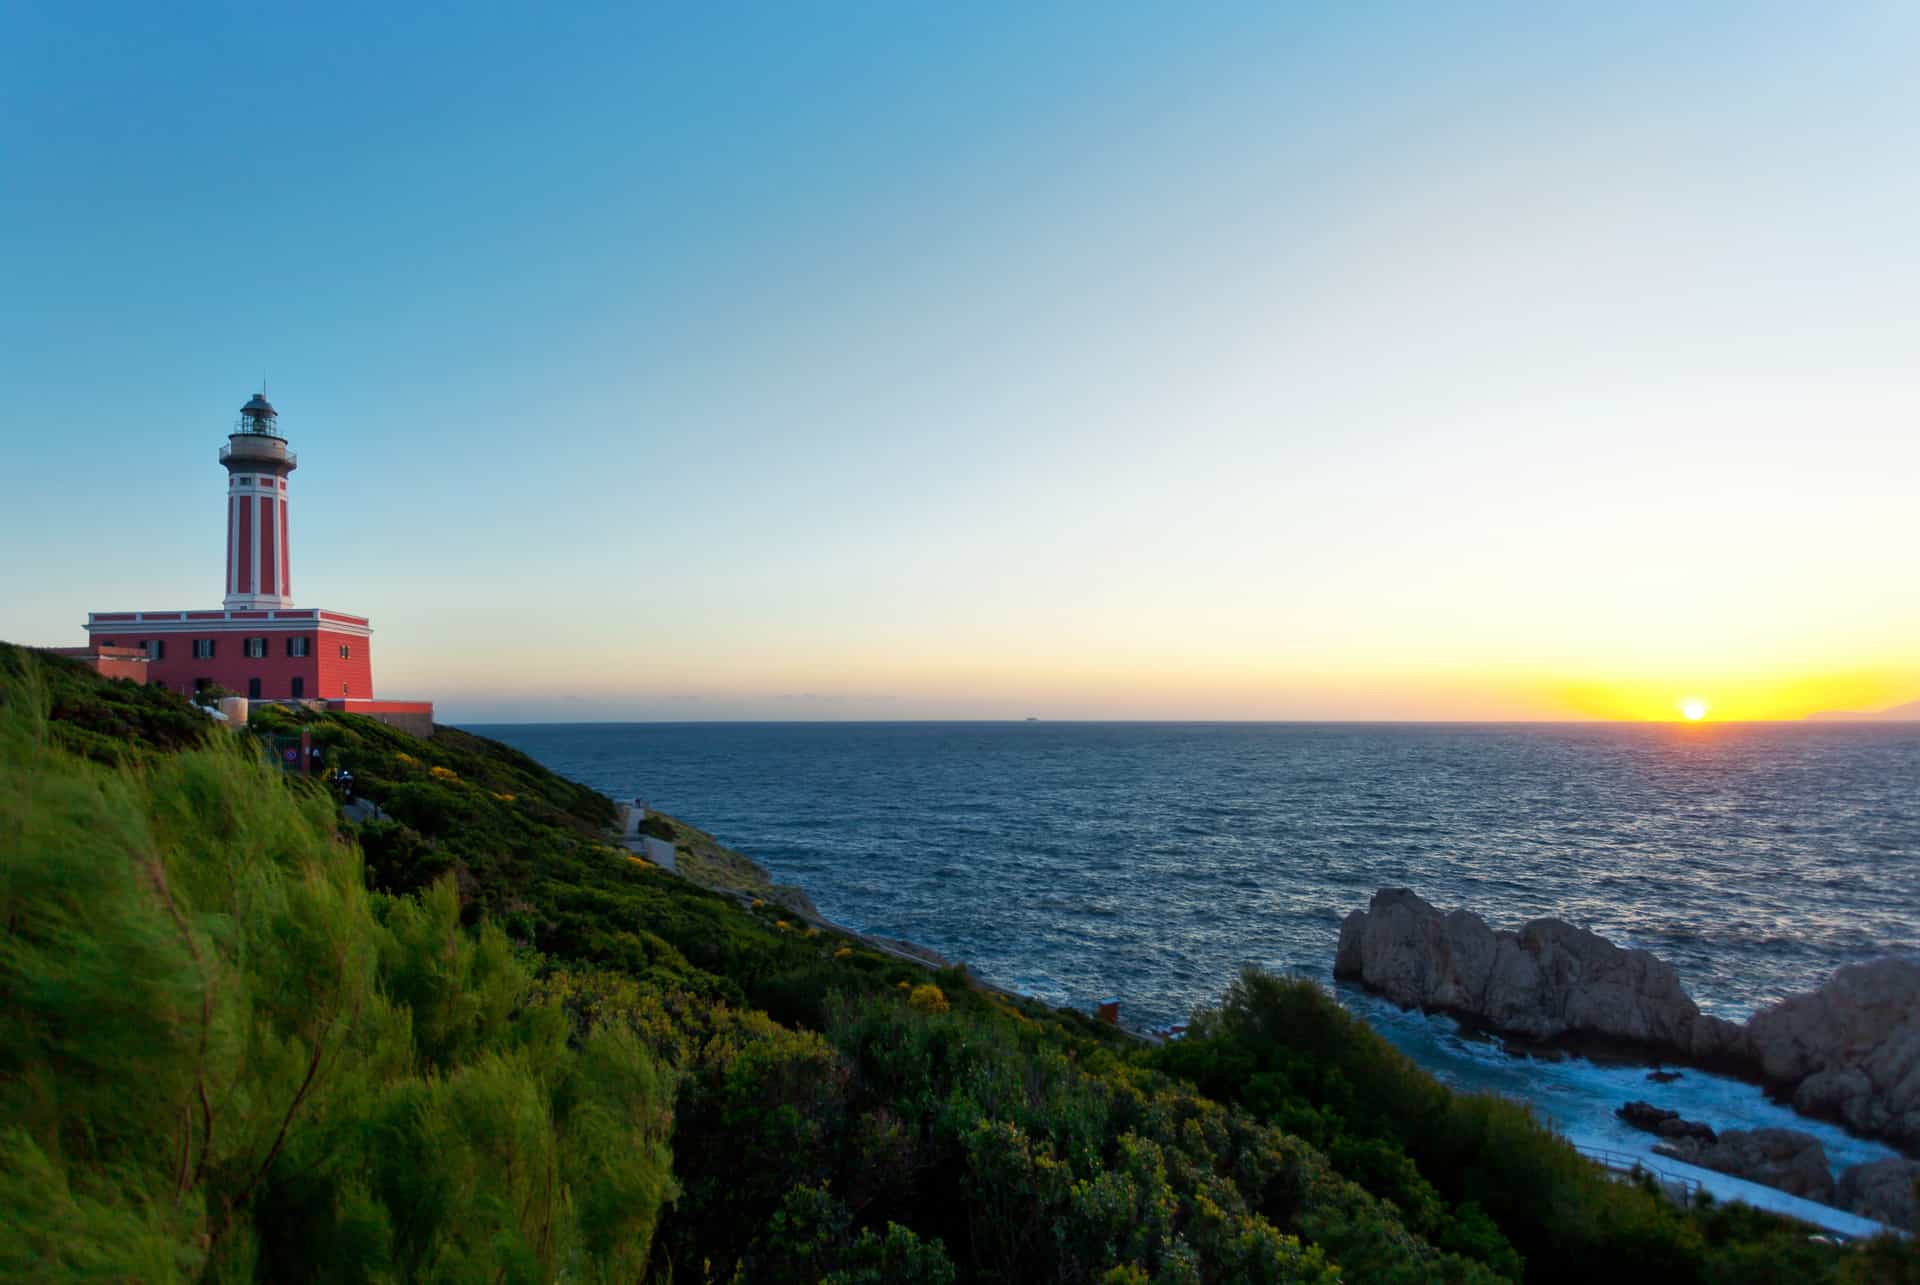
x=1907, y=713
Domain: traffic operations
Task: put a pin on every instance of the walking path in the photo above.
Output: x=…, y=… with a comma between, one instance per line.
x=361, y=811
x=1680, y=1177
x=658, y=851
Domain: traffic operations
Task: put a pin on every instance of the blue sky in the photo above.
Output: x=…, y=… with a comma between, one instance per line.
x=916, y=361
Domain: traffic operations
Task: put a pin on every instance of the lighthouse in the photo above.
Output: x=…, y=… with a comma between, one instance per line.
x=258, y=644
x=258, y=463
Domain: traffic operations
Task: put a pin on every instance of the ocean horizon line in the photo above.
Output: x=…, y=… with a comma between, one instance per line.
x=1863, y=722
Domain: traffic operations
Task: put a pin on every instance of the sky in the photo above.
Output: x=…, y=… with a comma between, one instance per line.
x=897, y=360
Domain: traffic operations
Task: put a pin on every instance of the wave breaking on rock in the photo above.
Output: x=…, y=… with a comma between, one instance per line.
x=1848, y=1052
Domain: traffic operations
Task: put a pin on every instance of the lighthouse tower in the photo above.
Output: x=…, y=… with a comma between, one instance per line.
x=258, y=643
x=259, y=563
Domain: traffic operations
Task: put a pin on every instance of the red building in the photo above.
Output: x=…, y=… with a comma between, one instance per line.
x=258, y=644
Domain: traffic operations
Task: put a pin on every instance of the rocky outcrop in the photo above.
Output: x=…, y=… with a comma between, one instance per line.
x=1667, y=1124
x=1549, y=981
x=1787, y=1159
x=1849, y=1051
x=792, y=897
x=1887, y=1191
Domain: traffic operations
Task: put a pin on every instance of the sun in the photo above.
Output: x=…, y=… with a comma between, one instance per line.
x=1694, y=708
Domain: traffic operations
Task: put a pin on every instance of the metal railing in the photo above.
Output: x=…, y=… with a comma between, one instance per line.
x=1630, y=1165
x=282, y=455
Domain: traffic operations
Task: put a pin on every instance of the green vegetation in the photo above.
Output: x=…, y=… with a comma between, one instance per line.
x=475, y=1040
x=110, y=722
x=225, y=1056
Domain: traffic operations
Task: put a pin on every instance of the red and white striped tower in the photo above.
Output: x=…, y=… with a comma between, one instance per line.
x=259, y=565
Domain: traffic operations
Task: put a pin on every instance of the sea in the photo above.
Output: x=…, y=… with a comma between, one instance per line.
x=1149, y=862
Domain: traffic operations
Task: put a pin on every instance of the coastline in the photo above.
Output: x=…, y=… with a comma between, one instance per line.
x=1076, y=862
x=710, y=864
x=1847, y=1051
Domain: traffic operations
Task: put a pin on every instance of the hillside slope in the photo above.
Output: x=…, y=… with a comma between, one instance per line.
x=478, y=1041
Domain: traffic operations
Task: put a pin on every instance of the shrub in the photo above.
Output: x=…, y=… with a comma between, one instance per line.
x=210, y=696
x=928, y=998
x=1288, y=1051
x=223, y=1053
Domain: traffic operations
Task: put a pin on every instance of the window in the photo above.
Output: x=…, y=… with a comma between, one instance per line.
x=203, y=649
x=253, y=689
x=156, y=648
x=346, y=652
x=299, y=687
x=255, y=648
x=298, y=646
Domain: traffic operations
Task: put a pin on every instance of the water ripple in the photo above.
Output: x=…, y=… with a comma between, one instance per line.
x=1149, y=860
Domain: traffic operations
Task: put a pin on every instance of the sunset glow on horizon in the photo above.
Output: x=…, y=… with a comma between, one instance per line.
x=1076, y=364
